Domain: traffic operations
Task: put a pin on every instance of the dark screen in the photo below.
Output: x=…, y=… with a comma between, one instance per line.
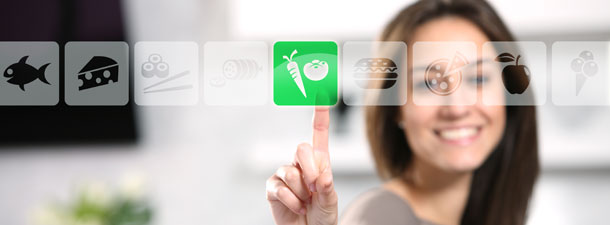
x=62, y=21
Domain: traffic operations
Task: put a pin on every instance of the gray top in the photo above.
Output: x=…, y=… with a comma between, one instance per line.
x=380, y=207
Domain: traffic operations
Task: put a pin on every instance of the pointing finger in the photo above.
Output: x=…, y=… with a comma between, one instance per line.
x=307, y=162
x=321, y=119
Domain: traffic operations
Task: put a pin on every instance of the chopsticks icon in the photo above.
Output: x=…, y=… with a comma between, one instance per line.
x=170, y=78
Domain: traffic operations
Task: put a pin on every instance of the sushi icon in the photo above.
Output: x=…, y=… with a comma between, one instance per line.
x=21, y=73
x=155, y=67
x=99, y=71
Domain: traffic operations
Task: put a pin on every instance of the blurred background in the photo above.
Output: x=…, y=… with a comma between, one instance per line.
x=208, y=165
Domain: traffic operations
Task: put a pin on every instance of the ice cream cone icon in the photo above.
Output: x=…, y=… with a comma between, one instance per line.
x=580, y=82
x=584, y=66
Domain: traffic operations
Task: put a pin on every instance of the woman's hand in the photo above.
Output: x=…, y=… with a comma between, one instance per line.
x=303, y=192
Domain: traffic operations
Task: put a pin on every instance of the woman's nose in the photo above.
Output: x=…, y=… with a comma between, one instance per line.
x=454, y=112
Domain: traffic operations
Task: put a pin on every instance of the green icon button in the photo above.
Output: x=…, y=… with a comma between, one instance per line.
x=305, y=73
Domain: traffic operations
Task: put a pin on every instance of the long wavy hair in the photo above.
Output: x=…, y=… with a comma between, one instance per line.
x=501, y=188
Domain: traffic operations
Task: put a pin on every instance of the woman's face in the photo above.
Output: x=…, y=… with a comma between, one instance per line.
x=454, y=138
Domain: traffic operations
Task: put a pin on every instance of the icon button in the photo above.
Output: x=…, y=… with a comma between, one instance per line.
x=374, y=73
x=96, y=73
x=445, y=73
x=305, y=73
x=30, y=73
x=236, y=73
x=166, y=73
x=513, y=73
x=580, y=73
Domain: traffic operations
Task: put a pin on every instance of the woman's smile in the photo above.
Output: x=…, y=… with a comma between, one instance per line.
x=460, y=135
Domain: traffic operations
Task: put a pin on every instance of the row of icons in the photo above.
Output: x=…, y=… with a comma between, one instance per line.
x=304, y=73
x=99, y=71
x=444, y=76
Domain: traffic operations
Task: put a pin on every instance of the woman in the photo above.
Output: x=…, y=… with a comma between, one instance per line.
x=451, y=164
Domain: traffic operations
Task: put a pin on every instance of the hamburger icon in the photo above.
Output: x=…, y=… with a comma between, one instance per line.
x=375, y=69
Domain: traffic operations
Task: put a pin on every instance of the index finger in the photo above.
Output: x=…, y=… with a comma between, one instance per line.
x=321, y=118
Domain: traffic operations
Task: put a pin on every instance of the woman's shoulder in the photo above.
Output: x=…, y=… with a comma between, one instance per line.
x=378, y=206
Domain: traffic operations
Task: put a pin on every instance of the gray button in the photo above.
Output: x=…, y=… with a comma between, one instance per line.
x=30, y=73
x=166, y=73
x=374, y=73
x=97, y=73
x=514, y=73
x=580, y=73
x=236, y=73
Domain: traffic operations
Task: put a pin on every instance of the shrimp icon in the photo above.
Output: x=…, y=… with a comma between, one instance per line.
x=293, y=69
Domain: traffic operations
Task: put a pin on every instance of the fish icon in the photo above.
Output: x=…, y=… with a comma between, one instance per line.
x=21, y=73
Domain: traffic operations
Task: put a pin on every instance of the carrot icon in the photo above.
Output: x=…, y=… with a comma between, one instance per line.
x=293, y=69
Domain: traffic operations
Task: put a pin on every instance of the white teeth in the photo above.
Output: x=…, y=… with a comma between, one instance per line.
x=454, y=134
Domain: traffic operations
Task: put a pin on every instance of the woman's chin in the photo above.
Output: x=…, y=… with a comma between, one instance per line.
x=463, y=160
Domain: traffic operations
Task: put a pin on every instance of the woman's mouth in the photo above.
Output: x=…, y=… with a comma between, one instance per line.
x=462, y=136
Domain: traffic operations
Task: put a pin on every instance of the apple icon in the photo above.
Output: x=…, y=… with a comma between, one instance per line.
x=516, y=77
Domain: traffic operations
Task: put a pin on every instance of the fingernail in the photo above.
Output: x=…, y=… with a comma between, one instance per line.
x=312, y=188
x=302, y=211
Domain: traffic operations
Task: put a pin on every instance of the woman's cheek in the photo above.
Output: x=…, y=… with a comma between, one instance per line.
x=498, y=120
x=495, y=129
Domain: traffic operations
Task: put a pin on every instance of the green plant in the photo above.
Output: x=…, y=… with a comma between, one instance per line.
x=94, y=205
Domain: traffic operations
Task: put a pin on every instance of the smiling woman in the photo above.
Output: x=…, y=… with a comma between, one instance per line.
x=442, y=164
x=484, y=159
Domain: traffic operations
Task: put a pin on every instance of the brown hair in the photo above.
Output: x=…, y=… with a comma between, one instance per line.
x=502, y=186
